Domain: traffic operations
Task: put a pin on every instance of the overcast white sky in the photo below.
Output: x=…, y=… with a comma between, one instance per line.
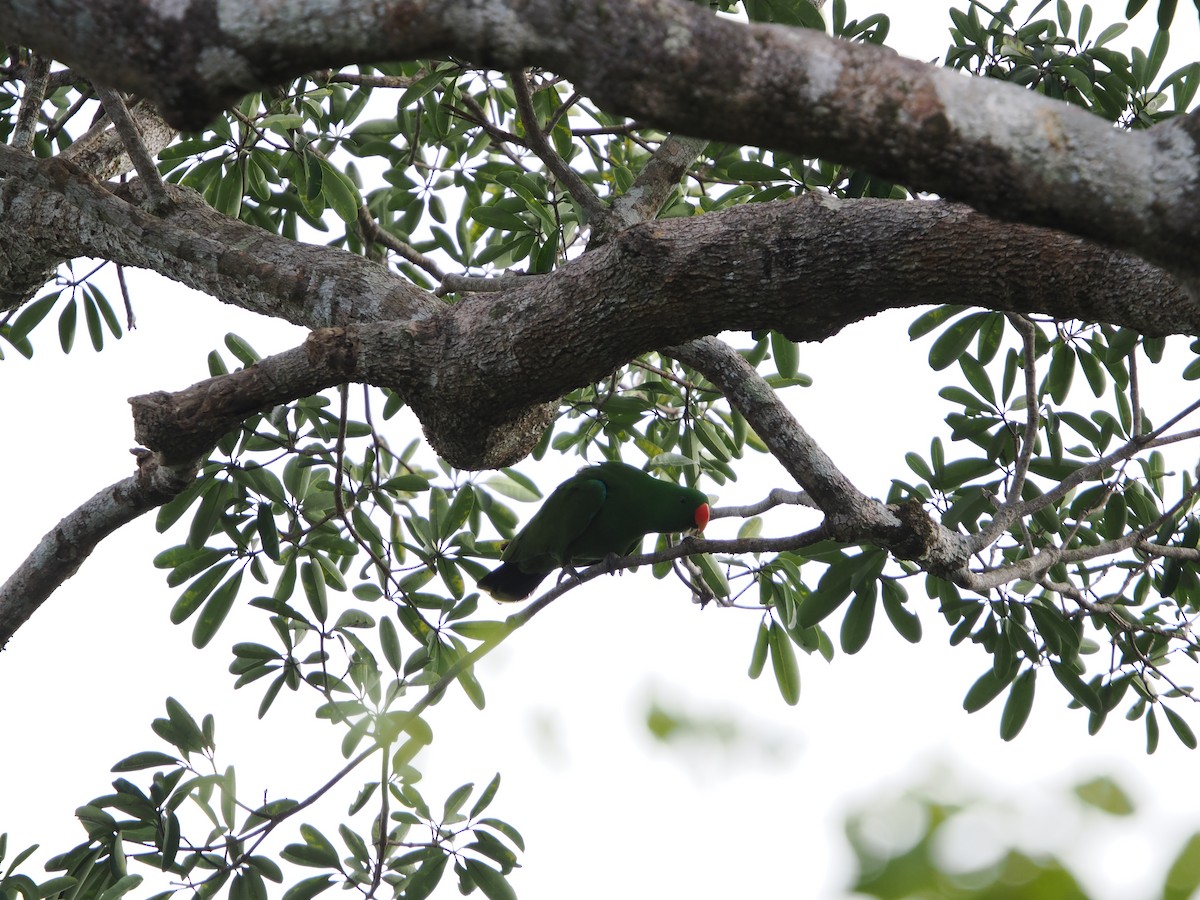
x=603, y=808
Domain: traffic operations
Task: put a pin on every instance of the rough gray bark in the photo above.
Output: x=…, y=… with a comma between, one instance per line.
x=479, y=372
x=1002, y=150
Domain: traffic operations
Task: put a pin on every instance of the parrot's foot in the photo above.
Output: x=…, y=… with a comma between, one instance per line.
x=569, y=573
x=610, y=563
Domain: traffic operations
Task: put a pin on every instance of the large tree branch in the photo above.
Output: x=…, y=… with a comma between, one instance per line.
x=1001, y=149
x=198, y=246
x=473, y=369
x=488, y=365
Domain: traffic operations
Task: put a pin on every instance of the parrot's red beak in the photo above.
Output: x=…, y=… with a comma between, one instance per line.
x=701, y=516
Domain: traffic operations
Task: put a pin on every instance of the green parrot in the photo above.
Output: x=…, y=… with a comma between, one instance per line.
x=599, y=511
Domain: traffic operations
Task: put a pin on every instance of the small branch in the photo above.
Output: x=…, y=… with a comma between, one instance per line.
x=1127, y=450
x=376, y=234
x=475, y=284
x=382, y=845
x=777, y=497
x=853, y=512
x=1135, y=394
x=502, y=138
x=62, y=551
x=689, y=546
x=374, y=81
x=1005, y=514
x=130, y=319
x=595, y=210
x=31, y=103
x=653, y=185
x=562, y=110
x=271, y=824
x=118, y=113
x=60, y=121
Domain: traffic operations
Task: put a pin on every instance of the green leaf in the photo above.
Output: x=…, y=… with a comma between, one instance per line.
x=1182, y=730
x=514, y=486
x=456, y=799
x=91, y=315
x=490, y=881
x=312, y=577
x=147, y=759
x=121, y=887
x=340, y=193
x=783, y=661
x=1062, y=372
x=904, y=620
x=714, y=578
x=316, y=851
x=215, y=610
x=1105, y=794
x=389, y=640
x=860, y=615
x=486, y=797
x=985, y=689
x=1018, y=706
x=953, y=342
x=179, y=728
x=758, y=659
x=32, y=314
x=505, y=829
x=928, y=321
x=831, y=592
x=1184, y=875
x=1079, y=689
x=787, y=359
x=423, y=881
x=309, y=887
x=66, y=326
x=197, y=592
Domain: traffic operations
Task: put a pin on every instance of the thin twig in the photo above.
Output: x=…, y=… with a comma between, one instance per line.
x=777, y=497
x=376, y=234
x=1135, y=393
x=1006, y=513
x=130, y=320
x=373, y=81
x=593, y=207
x=86, y=95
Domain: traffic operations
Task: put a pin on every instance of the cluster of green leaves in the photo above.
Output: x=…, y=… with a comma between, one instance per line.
x=148, y=826
x=1087, y=484
x=98, y=315
x=1041, y=54
x=81, y=292
x=363, y=564
x=795, y=604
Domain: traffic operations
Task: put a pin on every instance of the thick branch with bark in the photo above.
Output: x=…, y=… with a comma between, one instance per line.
x=1003, y=150
x=471, y=370
x=480, y=373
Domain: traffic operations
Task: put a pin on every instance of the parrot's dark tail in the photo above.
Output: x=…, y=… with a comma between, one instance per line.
x=508, y=583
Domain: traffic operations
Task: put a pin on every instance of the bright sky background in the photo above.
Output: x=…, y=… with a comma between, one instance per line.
x=605, y=810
